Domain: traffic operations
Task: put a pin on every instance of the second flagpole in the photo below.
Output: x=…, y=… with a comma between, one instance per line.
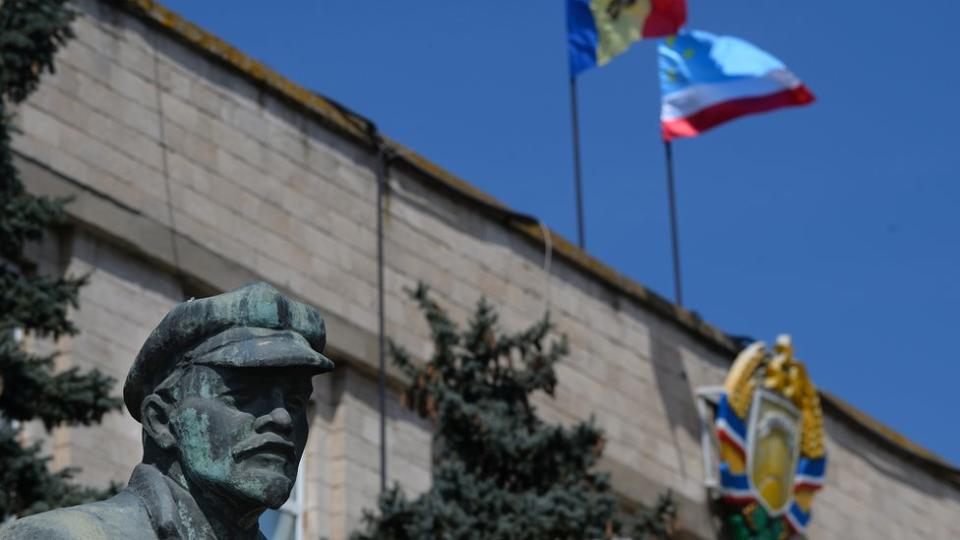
x=674, y=233
x=581, y=235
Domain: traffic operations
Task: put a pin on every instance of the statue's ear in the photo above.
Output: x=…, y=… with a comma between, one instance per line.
x=155, y=418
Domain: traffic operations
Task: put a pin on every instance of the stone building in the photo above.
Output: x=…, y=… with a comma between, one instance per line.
x=195, y=169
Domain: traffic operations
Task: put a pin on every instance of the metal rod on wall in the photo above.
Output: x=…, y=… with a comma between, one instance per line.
x=674, y=233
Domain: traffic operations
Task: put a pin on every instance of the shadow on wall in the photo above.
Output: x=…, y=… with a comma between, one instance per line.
x=676, y=395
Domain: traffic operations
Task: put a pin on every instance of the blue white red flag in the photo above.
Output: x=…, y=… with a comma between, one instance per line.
x=707, y=80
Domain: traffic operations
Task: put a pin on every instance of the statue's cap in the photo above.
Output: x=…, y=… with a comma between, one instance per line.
x=252, y=327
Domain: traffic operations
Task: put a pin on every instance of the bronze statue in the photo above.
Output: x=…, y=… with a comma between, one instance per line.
x=221, y=388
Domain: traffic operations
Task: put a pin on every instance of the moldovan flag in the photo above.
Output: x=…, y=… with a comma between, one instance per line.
x=598, y=30
x=707, y=80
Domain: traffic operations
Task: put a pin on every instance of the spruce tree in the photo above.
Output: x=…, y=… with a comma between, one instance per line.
x=499, y=472
x=32, y=305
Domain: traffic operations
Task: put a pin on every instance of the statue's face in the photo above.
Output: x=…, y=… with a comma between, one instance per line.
x=241, y=431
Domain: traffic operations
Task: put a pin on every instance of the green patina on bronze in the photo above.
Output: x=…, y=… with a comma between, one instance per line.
x=189, y=325
x=195, y=441
x=220, y=387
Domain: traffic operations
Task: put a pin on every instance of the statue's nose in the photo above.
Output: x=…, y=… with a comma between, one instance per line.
x=278, y=420
x=282, y=417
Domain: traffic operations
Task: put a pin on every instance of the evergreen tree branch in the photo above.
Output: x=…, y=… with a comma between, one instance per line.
x=31, y=32
x=27, y=486
x=499, y=471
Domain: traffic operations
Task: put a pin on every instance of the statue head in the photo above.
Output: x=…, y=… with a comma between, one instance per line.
x=221, y=388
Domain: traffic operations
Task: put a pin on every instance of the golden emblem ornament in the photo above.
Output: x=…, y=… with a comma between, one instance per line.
x=769, y=430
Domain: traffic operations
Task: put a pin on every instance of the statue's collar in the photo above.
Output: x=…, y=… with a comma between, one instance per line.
x=173, y=512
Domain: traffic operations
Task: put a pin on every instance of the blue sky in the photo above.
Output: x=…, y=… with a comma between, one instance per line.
x=838, y=223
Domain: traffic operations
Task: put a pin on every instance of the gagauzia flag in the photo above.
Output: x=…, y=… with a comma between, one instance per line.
x=707, y=80
x=598, y=30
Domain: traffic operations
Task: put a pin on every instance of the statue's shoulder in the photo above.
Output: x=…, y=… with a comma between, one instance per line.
x=119, y=517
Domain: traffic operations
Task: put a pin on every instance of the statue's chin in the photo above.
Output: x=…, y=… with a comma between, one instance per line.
x=252, y=487
x=269, y=489
x=276, y=500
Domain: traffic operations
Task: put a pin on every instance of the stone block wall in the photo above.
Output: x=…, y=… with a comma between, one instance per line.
x=193, y=175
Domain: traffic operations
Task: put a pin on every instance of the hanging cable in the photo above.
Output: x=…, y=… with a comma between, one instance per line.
x=383, y=163
x=385, y=155
x=164, y=150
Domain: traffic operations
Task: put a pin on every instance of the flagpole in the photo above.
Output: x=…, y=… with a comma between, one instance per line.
x=581, y=239
x=674, y=234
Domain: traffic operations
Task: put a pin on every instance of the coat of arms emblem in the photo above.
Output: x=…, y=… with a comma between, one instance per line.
x=766, y=442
